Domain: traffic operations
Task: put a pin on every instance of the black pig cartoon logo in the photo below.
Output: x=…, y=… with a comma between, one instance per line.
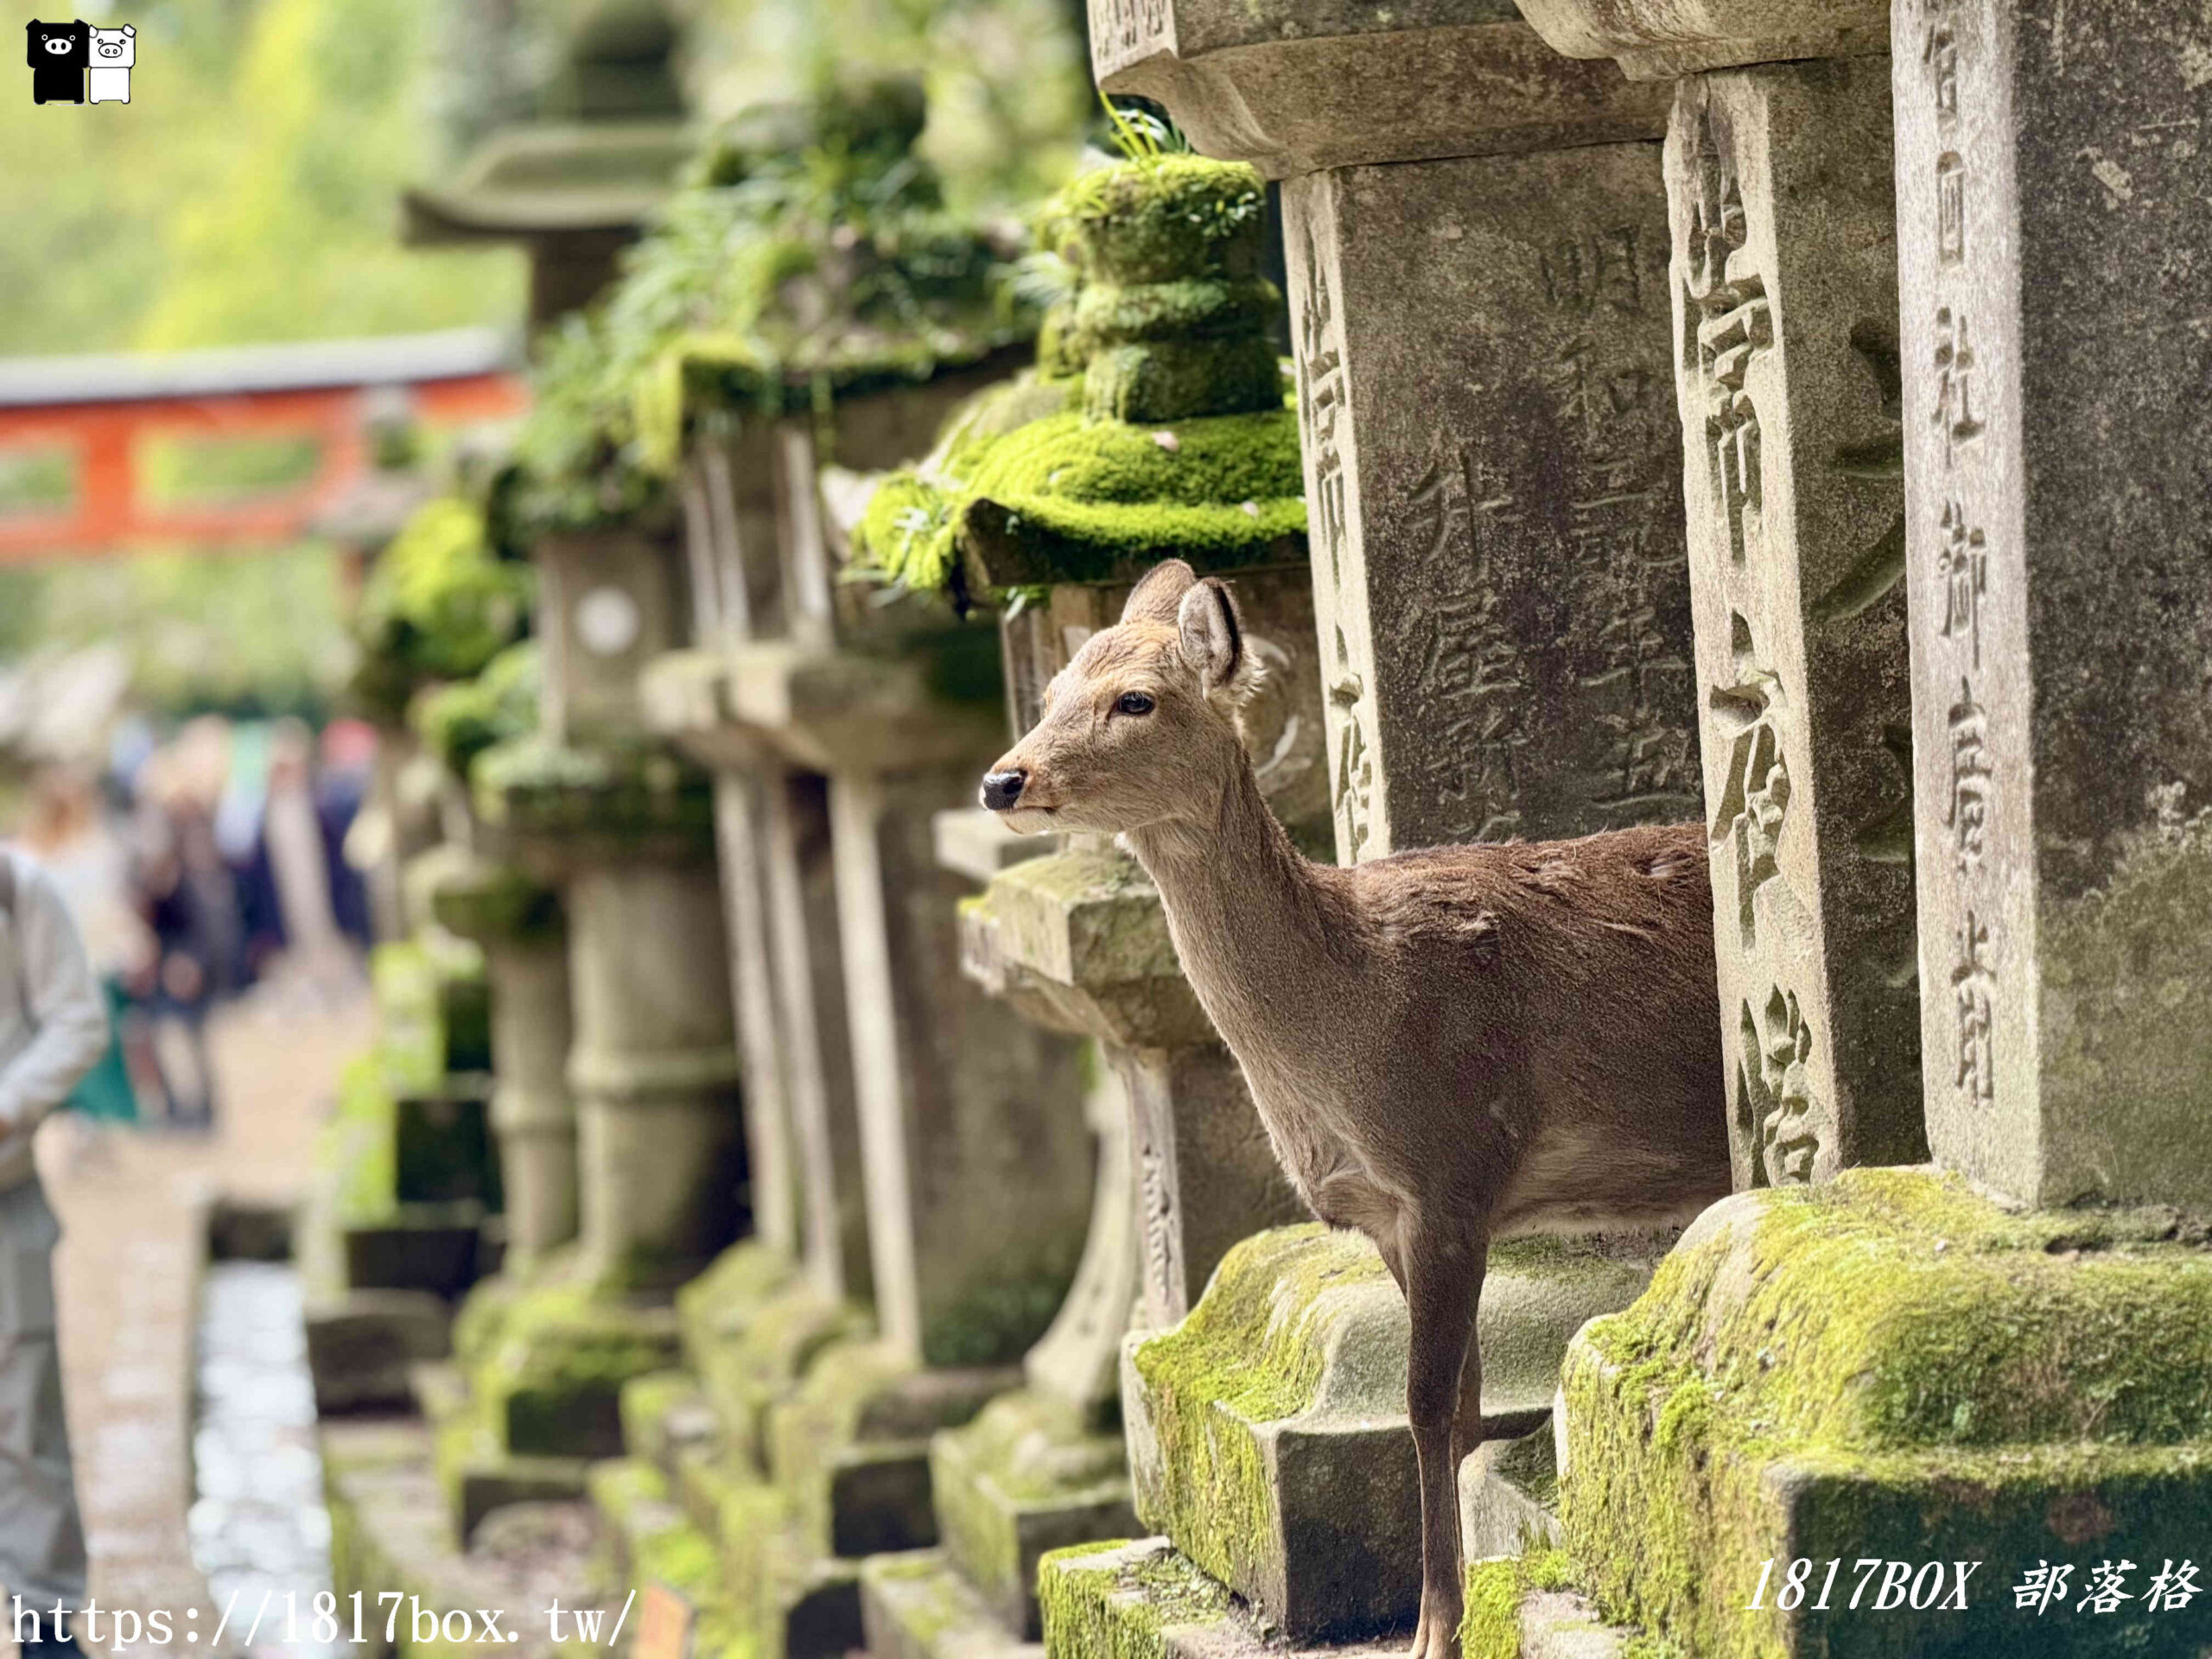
x=58, y=54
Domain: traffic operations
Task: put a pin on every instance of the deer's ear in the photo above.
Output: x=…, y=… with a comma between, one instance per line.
x=1212, y=638
x=1155, y=598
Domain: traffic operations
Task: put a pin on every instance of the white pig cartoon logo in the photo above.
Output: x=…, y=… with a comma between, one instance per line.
x=114, y=50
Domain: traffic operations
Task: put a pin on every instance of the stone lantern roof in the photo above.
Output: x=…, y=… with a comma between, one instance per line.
x=1158, y=423
x=574, y=162
x=811, y=260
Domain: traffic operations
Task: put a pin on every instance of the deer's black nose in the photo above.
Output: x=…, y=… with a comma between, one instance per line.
x=1002, y=789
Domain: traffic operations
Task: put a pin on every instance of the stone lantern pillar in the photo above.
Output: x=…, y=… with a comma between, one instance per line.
x=1783, y=283
x=973, y=1145
x=622, y=827
x=2051, y=795
x=1477, y=243
x=518, y=924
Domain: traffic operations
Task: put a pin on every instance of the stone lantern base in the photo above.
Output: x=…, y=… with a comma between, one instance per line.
x=1890, y=1367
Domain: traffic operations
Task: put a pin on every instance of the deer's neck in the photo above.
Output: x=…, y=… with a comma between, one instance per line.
x=1257, y=928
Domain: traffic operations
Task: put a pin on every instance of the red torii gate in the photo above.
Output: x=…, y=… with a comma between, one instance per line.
x=101, y=408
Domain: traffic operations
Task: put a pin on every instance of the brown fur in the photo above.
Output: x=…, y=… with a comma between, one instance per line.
x=1446, y=1046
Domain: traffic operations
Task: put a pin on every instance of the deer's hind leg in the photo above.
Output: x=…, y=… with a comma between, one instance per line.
x=1443, y=1278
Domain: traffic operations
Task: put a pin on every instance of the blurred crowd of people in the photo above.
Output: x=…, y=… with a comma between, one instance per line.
x=197, y=866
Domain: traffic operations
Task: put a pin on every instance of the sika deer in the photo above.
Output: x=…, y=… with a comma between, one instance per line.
x=1446, y=1046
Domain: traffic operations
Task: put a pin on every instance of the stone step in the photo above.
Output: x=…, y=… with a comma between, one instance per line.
x=362, y=1346
x=1525, y=1606
x=1267, y=1432
x=438, y=1389
x=438, y=1248
x=389, y=1535
x=1508, y=1496
x=664, y=1414
x=1561, y=1624
x=649, y=1540
x=1029, y=1476
x=1141, y=1598
x=919, y=1606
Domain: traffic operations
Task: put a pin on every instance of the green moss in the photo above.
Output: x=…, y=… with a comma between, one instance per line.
x=1179, y=442
x=1490, y=1628
x=1065, y=499
x=481, y=898
x=458, y=723
x=1117, y=1600
x=552, y=1378
x=576, y=465
x=1917, y=1357
x=438, y=605
x=1162, y=220
x=809, y=259
x=1025, y=1450
x=823, y=1419
x=360, y=1143
x=1252, y=1352
x=645, y=1402
x=410, y=1025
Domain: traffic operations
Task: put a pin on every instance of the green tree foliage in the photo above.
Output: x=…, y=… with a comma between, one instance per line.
x=246, y=193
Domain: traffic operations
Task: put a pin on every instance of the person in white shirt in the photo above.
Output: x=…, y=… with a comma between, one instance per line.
x=53, y=1028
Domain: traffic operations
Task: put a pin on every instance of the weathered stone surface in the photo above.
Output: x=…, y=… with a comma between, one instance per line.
x=1081, y=937
x=1498, y=559
x=1784, y=279
x=1031, y=1473
x=1508, y=1496
x=434, y=1246
x=1655, y=39
x=772, y=1161
x=442, y=1138
x=1523, y=1607
x=1206, y=1174
x=360, y=1349
x=1268, y=1435
x=2053, y=255
x=808, y=976
x=1077, y=1361
x=831, y=710
x=976, y=1152
x=480, y=1489
x=729, y=534
x=919, y=1606
x=551, y=1381
x=1141, y=1600
x=752, y=1323
x=849, y=1449
x=533, y=1115
x=1887, y=1366
x=607, y=604
x=973, y=842
x=1293, y=88
x=654, y=1072
x=388, y=1533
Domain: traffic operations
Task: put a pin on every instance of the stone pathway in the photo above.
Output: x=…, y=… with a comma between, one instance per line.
x=132, y=1204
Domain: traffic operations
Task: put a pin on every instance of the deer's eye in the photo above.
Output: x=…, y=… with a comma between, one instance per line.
x=1133, y=703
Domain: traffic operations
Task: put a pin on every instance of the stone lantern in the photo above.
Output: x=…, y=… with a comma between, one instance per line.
x=919, y=1156
x=1130, y=442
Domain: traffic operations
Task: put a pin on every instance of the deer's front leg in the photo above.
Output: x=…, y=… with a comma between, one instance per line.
x=1443, y=1278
